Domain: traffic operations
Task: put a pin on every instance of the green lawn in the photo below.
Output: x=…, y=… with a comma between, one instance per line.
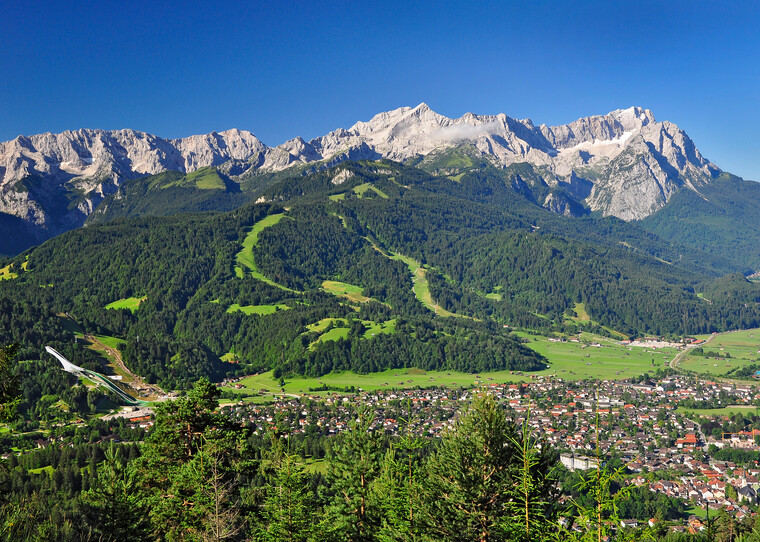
x=47, y=470
x=257, y=309
x=337, y=197
x=244, y=258
x=130, y=303
x=725, y=411
x=742, y=346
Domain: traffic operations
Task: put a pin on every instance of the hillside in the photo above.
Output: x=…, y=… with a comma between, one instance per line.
x=721, y=219
x=368, y=266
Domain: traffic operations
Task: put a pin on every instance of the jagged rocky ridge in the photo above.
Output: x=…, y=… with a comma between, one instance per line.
x=624, y=164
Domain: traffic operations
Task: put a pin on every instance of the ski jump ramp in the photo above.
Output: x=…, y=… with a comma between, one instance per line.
x=97, y=378
x=67, y=365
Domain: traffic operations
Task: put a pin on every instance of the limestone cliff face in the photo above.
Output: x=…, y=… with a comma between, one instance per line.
x=624, y=163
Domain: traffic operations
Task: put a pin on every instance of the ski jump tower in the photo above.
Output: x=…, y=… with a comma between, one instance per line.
x=67, y=365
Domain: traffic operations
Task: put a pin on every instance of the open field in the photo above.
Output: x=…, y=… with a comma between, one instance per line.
x=572, y=360
x=567, y=360
x=742, y=346
x=206, y=179
x=725, y=411
x=130, y=303
x=343, y=289
x=257, y=309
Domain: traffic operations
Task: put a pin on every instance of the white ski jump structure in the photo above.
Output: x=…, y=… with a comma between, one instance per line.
x=97, y=378
x=67, y=365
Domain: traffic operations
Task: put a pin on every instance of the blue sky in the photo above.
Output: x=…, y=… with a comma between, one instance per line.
x=282, y=69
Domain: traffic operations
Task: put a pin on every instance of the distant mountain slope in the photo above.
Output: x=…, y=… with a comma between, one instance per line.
x=367, y=266
x=622, y=164
x=722, y=219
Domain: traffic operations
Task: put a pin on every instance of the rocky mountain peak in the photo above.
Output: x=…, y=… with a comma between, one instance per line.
x=632, y=163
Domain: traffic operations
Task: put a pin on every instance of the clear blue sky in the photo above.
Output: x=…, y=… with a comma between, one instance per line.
x=282, y=69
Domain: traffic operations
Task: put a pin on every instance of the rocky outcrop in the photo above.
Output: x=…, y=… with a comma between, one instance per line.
x=624, y=163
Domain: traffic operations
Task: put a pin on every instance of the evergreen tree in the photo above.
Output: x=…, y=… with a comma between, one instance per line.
x=400, y=489
x=289, y=512
x=353, y=467
x=191, y=467
x=10, y=387
x=111, y=505
x=474, y=478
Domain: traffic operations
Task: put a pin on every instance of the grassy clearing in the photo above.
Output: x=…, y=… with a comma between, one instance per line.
x=130, y=303
x=257, y=309
x=457, y=178
x=582, y=317
x=337, y=197
x=6, y=274
x=580, y=313
x=46, y=470
x=375, y=328
x=206, y=179
x=420, y=284
x=340, y=329
x=110, y=342
x=743, y=347
x=361, y=190
x=344, y=289
x=244, y=258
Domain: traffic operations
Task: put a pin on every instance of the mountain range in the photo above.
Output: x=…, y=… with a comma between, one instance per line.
x=623, y=164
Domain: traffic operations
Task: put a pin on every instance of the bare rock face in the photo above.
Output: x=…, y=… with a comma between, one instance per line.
x=624, y=163
x=54, y=181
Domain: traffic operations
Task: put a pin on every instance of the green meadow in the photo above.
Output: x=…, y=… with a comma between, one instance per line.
x=206, y=178
x=244, y=258
x=743, y=347
x=6, y=274
x=362, y=189
x=610, y=360
x=130, y=303
x=567, y=360
x=257, y=309
x=343, y=289
x=725, y=411
x=338, y=329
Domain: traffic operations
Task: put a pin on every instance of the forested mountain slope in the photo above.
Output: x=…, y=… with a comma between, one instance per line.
x=369, y=266
x=722, y=219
